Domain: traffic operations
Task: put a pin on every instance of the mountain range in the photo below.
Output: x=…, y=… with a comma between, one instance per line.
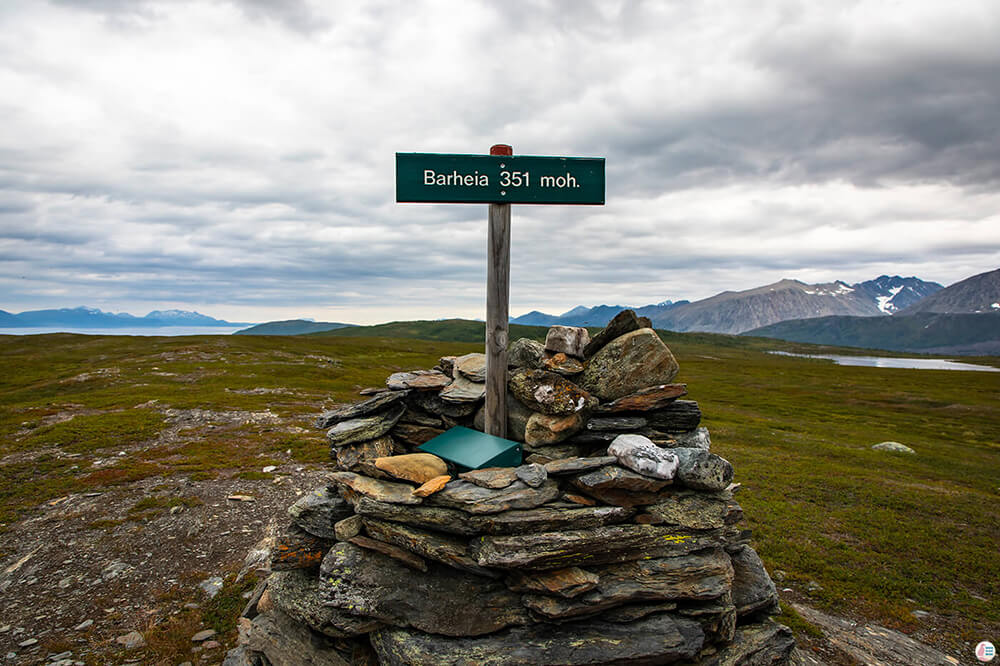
x=84, y=317
x=739, y=311
x=292, y=327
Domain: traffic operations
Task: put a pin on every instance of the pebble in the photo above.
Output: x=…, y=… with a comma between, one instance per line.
x=269, y=468
x=211, y=645
x=920, y=614
x=174, y=510
x=203, y=635
x=131, y=640
x=240, y=498
x=211, y=586
x=27, y=643
x=4, y=629
x=86, y=624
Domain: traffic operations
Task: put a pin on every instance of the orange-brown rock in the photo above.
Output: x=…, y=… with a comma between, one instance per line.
x=432, y=486
x=643, y=400
x=294, y=548
x=568, y=582
x=416, y=467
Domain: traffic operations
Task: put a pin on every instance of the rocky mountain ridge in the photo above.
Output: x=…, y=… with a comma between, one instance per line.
x=92, y=317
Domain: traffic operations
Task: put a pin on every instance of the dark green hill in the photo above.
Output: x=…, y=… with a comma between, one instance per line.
x=291, y=327
x=923, y=332
x=446, y=330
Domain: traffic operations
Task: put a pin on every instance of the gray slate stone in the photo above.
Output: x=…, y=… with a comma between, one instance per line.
x=628, y=363
x=764, y=644
x=472, y=367
x=420, y=380
x=694, y=510
x=697, y=576
x=431, y=402
x=640, y=455
x=364, y=428
x=753, y=590
x=490, y=477
x=360, y=457
x=297, y=594
x=318, y=510
x=477, y=500
x=449, y=550
x=622, y=424
x=660, y=639
x=525, y=353
x=365, y=408
x=680, y=416
x=463, y=390
x=562, y=466
x=443, y=600
x=532, y=474
x=702, y=470
x=619, y=486
x=285, y=642
x=351, y=484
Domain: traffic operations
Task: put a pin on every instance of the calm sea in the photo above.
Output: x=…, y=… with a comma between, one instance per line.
x=138, y=330
x=895, y=362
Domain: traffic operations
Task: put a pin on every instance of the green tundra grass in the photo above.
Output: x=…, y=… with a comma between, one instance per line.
x=874, y=535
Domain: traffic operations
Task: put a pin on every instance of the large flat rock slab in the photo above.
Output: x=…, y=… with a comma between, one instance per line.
x=630, y=362
x=442, y=601
x=660, y=639
x=475, y=499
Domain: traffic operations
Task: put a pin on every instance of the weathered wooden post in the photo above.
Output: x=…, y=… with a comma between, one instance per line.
x=497, y=310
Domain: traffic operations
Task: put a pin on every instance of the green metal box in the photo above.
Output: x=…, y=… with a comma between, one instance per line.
x=472, y=449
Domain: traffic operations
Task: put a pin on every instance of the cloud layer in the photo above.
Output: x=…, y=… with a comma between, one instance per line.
x=237, y=157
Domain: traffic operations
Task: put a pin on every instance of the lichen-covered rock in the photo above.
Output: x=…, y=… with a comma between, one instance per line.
x=525, y=353
x=401, y=555
x=294, y=548
x=601, y=545
x=364, y=428
x=416, y=467
x=624, y=322
x=702, y=470
x=297, y=594
x=561, y=364
x=285, y=642
x=659, y=639
x=551, y=518
x=571, y=340
x=640, y=455
x=318, y=510
x=364, y=408
x=765, y=644
x=753, y=590
x=628, y=363
x=452, y=521
x=548, y=392
x=693, y=510
x=543, y=429
x=478, y=500
x=443, y=600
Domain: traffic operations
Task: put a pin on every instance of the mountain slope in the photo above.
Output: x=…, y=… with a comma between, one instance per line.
x=84, y=317
x=598, y=315
x=449, y=330
x=942, y=333
x=979, y=293
x=892, y=294
x=292, y=327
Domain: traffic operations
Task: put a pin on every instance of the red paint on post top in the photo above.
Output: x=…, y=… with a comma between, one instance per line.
x=501, y=149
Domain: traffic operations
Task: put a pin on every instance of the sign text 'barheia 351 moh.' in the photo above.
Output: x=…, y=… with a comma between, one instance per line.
x=531, y=179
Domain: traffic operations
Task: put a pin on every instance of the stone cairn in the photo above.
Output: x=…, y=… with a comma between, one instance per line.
x=615, y=543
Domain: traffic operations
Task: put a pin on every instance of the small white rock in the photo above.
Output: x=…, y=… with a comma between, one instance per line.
x=269, y=469
x=894, y=447
x=639, y=454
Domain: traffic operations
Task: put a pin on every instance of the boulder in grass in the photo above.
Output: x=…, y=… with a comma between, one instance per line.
x=639, y=454
x=569, y=340
x=629, y=363
x=892, y=447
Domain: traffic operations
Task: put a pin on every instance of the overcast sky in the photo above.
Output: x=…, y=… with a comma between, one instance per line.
x=237, y=157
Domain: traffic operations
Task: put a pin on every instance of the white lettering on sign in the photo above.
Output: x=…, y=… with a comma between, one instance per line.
x=560, y=181
x=476, y=179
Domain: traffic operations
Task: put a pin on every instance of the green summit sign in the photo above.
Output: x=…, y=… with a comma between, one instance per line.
x=522, y=179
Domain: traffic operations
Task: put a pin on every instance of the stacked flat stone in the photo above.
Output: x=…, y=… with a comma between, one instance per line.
x=616, y=542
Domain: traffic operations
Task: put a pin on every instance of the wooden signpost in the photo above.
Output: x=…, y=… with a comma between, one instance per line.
x=498, y=179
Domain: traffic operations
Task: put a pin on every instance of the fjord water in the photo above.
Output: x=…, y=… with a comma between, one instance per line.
x=890, y=362
x=152, y=331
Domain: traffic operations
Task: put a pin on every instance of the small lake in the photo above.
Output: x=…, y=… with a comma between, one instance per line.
x=137, y=330
x=890, y=362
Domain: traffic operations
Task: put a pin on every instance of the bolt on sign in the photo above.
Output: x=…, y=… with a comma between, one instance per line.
x=498, y=179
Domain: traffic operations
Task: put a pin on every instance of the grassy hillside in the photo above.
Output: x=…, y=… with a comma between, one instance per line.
x=291, y=327
x=941, y=333
x=449, y=330
x=863, y=533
